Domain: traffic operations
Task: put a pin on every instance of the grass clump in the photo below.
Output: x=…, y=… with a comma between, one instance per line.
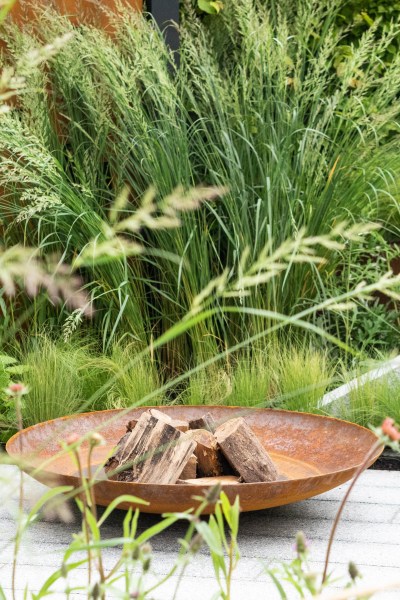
x=369, y=403
x=304, y=376
x=279, y=376
x=60, y=380
x=300, y=134
x=69, y=377
x=131, y=380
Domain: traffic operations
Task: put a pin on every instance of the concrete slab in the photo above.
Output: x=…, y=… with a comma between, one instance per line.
x=368, y=535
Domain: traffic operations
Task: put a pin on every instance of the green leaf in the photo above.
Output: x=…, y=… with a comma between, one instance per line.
x=367, y=19
x=45, y=589
x=116, y=502
x=211, y=536
x=278, y=585
x=126, y=525
x=4, y=379
x=17, y=370
x=221, y=525
x=235, y=513
x=226, y=509
x=7, y=360
x=210, y=7
x=93, y=525
x=156, y=529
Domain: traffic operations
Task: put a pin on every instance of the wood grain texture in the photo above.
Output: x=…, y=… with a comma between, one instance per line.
x=207, y=422
x=210, y=481
x=154, y=452
x=190, y=471
x=207, y=453
x=244, y=452
x=177, y=423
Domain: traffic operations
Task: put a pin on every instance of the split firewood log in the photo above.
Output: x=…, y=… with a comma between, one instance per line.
x=177, y=423
x=207, y=453
x=154, y=452
x=190, y=471
x=205, y=422
x=244, y=452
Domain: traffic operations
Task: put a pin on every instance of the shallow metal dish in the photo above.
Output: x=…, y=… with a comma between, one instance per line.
x=315, y=453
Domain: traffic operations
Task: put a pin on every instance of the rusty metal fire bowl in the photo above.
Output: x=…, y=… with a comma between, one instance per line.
x=315, y=453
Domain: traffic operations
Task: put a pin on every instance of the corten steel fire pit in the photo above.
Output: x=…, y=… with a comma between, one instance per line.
x=315, y=453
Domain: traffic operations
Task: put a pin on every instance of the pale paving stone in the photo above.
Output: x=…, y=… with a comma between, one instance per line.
x=366, y=536
x=269, y=527
x=396, y=518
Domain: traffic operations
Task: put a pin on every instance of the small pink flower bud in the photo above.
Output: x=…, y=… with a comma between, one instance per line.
x=17, y=389
x=390, y=429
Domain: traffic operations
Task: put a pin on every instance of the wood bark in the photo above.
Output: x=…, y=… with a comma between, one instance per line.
x=154, y=452
x=177, y=423
x=130, y=426
x=205, y=422
x=244, y=452
x=207, y=453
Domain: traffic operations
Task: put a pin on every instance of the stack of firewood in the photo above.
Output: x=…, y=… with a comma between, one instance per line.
x=159, y=449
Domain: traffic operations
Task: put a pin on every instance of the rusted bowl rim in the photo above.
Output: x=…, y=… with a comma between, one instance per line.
x=241, y=409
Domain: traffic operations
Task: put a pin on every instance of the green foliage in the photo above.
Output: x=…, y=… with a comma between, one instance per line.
x=9, y=370
x=210, y=7
x=298, y=577
x=59, y=378
x=363, y=14
x=296, y=143
x=369, y=402
x=224, y=549
x=373, y=324
x=69, y=377
x=279, y=376
x=304, y=377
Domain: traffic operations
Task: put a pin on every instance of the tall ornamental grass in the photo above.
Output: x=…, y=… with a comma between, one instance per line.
x=266, y=102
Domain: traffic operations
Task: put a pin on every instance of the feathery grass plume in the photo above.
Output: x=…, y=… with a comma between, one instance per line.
x=264, y=103
x=304, y=375
x=22, y=267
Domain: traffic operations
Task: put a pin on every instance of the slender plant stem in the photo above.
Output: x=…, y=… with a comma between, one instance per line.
x=230, y=571
x=85, y=508
x=183, y=551
x=359, y=471
x=20, y=501
x=93, y=508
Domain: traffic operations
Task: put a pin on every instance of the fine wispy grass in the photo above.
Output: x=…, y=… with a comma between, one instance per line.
x=370, y=403
x=265, y=102
x=74, y=376
x=291, y=378
x=69, y=377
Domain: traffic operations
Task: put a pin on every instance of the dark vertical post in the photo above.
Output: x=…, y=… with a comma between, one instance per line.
x=163, y=12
